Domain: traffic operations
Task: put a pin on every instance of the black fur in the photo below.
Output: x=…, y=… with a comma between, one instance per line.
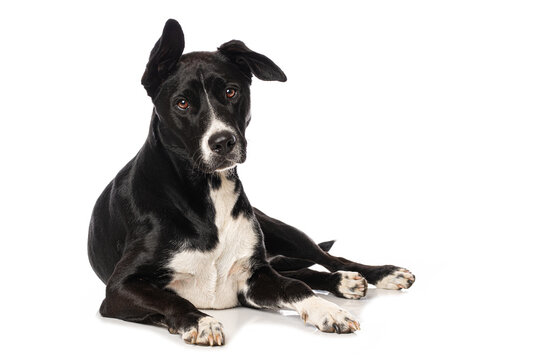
x=159, y=202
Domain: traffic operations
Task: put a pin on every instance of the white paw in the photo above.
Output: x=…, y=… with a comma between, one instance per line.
x=208, y=331
x=397, y=280
x=326, y=316
x=352, y=285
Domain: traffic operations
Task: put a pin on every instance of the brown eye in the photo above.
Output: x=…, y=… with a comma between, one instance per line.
x=182, y=104
x=230, y=93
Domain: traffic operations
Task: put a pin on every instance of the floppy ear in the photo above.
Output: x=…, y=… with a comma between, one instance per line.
x=164, y=56
x=251, y=62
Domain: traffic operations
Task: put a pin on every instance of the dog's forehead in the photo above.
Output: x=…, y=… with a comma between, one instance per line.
x=204, y=65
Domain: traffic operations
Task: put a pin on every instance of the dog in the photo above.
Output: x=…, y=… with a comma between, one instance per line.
x=174, y=232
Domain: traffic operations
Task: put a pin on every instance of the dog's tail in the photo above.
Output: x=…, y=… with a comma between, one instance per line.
x=284, y=263
x=327, y=245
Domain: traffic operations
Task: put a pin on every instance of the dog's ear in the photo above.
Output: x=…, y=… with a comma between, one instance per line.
x=251, y=62
x=164, y=56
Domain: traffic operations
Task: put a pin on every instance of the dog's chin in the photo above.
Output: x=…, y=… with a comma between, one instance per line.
x=223, y=164
x=227, y=168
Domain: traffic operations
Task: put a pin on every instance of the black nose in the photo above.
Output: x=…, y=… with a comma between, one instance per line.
x=222, y=143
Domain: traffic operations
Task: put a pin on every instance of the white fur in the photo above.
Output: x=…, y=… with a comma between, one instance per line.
x=399, y=279
x=212, y=279
x=215, y=126
x=208, y=331
x=325, y=315
x=352, y=285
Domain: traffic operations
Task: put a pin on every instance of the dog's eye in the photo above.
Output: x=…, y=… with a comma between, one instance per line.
x=230, y=92
x=182, y=104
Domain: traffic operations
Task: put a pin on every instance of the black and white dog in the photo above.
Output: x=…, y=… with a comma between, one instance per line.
x=174, y=231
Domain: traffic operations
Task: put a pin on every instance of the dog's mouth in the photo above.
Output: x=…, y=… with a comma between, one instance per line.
x=226, y=167
x=223, y=163
x=229, y=162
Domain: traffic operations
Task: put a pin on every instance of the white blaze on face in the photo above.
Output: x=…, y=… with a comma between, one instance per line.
x=215, y=126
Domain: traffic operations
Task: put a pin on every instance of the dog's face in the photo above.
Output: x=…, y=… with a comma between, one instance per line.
x=202, y=99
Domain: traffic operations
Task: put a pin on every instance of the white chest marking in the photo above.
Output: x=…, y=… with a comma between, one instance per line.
x=212, y=279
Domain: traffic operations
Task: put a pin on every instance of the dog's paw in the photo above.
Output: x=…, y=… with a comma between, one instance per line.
x=352, y=285
x=326, y=316
x=398, y=279
x=208, y=332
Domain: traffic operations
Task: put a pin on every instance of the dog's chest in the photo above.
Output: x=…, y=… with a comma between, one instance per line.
x=212, y=279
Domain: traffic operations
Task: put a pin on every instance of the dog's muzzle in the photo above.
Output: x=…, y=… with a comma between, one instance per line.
x=226, y=150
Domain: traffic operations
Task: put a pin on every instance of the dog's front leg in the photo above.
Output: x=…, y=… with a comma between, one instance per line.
x=134, y=299
x=267, y=289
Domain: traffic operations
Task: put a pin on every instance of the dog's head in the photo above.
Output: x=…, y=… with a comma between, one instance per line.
x=202, y=99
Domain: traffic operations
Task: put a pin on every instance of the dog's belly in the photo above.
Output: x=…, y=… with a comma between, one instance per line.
x=213, y=279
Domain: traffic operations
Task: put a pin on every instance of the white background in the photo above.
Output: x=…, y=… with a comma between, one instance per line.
x=408, y=130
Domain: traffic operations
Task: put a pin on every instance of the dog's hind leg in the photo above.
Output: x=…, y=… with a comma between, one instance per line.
x=346, y=284
x=382, y=276
x=281, y=263
x=284, y=240
x=290, y=249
